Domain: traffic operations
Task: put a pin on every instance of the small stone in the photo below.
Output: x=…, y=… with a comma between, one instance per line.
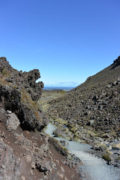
x=109, y=86
x=9, y=112
x=106, y=136
x=22, y=177
x=28, y=158
x=31, y=172
x=116, y=146
x=107, y=157
x=3, y=167
x=33, y=165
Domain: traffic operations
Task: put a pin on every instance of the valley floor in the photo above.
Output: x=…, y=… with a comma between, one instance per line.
x=104, y=144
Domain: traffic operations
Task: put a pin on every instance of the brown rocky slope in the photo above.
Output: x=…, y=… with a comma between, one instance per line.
x=26, y=153
x=95, y=103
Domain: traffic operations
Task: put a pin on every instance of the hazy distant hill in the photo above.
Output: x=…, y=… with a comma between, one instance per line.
x=94, y=103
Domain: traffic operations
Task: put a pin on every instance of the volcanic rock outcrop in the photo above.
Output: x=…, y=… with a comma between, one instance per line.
x=19, y=93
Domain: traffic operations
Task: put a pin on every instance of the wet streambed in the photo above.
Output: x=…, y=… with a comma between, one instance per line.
x=93, y=167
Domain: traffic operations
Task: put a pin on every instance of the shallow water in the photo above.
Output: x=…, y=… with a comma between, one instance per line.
x=93, y=167
x=96, y=168
x=50, y=129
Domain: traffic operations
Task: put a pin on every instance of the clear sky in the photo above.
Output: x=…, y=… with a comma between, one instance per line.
x=68, y=40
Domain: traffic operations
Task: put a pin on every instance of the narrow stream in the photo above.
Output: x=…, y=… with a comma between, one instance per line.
x=93, y=167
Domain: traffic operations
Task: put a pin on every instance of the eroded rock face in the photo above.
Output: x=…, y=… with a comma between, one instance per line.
x=28, y=80
x=19, y=93
x=21, y=79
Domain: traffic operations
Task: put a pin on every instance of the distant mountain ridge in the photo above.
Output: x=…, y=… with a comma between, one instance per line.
x=58, y=88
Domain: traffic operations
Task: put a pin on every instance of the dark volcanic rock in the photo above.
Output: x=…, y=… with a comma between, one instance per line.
x=21, y=79
x=19, y=93
x=4, y=65
x=28, y=80
x=116, y=63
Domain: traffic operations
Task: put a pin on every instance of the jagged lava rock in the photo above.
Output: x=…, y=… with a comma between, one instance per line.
x=19, y=93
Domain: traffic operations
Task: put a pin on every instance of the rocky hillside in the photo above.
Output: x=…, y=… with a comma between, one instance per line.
x=26, y=152
x=95, y=103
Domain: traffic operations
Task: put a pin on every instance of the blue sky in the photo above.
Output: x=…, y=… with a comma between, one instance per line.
x=68, y=40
